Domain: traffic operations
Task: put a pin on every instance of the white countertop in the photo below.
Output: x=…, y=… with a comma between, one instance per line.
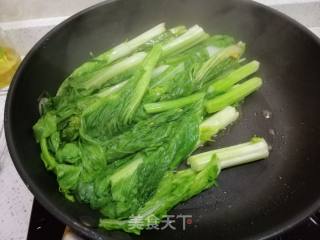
x=24, y=26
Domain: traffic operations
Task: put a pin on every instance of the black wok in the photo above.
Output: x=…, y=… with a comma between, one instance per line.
x=255, y=201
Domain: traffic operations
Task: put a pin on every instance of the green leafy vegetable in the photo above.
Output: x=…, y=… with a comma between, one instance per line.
x=85, y=70
x=122, y=123
x=253, y=150
x=175, y=187
x=109, y=116
x=179, y=186
x=233, y=95
x=217, y=122
x=225, y=83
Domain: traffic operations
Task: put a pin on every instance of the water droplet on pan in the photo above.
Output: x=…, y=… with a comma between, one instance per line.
x=314, y=221
x=267, y=114
x=88, y=221
x=272, y=132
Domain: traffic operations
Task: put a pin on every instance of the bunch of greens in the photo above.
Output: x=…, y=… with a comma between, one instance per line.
x=121, y=123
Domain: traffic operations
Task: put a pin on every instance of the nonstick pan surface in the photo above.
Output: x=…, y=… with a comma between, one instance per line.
x=255, y=201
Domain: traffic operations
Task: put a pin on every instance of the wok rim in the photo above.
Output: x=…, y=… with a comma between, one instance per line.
x=76, y=225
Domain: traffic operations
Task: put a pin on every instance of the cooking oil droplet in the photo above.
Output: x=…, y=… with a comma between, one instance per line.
x=314, y=220
x=266, y=114
x=271, y=131
x=88, y=221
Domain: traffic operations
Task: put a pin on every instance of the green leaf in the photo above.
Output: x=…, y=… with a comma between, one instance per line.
x=175, y=187
x=67, y=177
x=69, y=153
x=45, y=126
x=111, y=116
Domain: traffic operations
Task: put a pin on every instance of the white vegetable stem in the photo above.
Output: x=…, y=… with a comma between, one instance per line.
x=128, y=47
x=193, y=36
x=108, y=91
x=159, y=70
x=190, y=38
x=127, y=170
x=253, y=150
x=105, y=74
x=217, y=122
